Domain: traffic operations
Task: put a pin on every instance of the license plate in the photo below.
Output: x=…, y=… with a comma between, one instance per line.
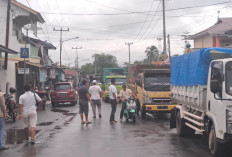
x=162, y=107
x=62, y=94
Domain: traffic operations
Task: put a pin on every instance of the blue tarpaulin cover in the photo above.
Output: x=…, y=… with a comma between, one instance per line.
x=192, y=68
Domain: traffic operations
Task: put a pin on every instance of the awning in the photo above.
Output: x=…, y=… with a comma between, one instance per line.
x=34, y=64
x=7, y=50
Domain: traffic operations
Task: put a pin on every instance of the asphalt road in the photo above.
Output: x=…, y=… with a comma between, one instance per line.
x=61, y=134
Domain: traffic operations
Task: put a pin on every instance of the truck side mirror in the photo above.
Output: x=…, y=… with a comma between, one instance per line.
x=214, y=86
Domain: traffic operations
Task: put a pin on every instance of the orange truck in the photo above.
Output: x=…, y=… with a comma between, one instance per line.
x=151, y=84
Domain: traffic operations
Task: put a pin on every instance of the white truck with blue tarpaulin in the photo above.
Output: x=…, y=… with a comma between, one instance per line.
x=201, y=85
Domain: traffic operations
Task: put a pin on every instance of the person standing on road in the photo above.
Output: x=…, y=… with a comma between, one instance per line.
x=27, y=112
x=2, y=121
x=96, y=95
x=84, y=99
x=113, y=101
x=125, y=94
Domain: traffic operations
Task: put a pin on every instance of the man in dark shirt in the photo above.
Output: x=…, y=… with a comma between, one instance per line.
x=84, y=98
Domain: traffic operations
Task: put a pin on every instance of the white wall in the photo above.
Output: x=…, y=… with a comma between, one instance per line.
x=13, y=42
x=8, y=76
x=203, y=42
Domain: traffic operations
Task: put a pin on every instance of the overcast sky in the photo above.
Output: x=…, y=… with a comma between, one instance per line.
x=103, y=26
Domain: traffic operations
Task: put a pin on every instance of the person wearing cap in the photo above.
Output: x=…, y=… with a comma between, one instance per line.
x=125, y=94
x=95, y=95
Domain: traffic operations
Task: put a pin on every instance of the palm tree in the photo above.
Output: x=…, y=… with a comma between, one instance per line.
x=152, y=53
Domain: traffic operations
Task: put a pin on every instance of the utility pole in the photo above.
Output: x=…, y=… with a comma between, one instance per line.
x=164, y=29
x=24, y=61
x=77, y=56
x=61, y=30
x=169, y=47
x=95, y=65
x=129, y=44
x=7, y=32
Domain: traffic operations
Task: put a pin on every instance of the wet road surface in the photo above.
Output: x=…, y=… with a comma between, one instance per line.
x=65, y=136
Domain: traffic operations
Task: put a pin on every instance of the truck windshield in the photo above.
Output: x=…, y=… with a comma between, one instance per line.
x=229, y=78
x=157, y=83
x=118, y=81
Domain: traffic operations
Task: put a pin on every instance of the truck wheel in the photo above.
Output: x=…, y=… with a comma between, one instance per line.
x=215, y=147
x=179, y=125
x=53, y=104
x=143, y=112
x=44, y=104
x=134, y=118
x=182, y=129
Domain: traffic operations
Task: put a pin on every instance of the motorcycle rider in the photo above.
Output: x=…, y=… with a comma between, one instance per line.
x=125, y=94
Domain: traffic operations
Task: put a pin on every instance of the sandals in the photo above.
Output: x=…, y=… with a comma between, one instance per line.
x=82, y=122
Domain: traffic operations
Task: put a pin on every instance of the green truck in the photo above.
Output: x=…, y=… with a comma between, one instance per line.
x=120, y=75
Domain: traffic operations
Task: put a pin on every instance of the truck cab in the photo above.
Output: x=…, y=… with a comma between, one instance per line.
x=153, y=91
x=119, y=81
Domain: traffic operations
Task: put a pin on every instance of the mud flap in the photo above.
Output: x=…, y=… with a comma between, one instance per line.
x=173, y=119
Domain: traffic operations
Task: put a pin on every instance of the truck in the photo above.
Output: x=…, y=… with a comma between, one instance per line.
x=201, y=85
x=120, y=76
x=97, y=77
x=151, y=85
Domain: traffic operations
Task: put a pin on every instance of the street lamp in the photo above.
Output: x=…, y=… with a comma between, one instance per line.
x=61, y=43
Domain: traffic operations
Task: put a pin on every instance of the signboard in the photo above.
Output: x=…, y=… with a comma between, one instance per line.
x=21, y=70
x=24, y=52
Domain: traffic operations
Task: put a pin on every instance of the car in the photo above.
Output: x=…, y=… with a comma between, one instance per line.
x=63, y=92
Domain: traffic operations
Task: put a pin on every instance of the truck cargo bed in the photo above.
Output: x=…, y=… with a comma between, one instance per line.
x=192, y=96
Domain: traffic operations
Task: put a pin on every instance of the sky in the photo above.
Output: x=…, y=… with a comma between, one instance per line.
x=103, y=26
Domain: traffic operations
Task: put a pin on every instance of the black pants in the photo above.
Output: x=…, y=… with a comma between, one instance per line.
x=122, y=109
x=113, y=109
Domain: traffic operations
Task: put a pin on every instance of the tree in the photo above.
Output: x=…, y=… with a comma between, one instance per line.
x=152, y=53
x=138, y=62
x=87, y=69
x=104, y=61
x=126, y=64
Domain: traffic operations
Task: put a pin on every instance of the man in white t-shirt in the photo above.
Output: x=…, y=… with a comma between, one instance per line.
x=96, y=95
x=27, y=111
x=113, y=100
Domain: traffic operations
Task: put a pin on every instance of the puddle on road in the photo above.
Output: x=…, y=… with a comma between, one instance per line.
x=59, y=110
x=44, y=123
x=16, y=136
x=64, y=112
x=69, y=114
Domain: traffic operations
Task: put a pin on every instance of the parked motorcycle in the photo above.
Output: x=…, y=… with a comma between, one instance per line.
x=43, y=95
x=11, y=105
x=130, y=110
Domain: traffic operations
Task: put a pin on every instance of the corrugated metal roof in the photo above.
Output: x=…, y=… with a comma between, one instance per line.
x=222, y=27
x=7, y=50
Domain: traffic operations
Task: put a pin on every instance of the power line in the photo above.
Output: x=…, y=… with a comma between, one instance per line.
x=134, y=12
x=145, y=20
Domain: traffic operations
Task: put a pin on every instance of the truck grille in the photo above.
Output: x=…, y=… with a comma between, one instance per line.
x=161, y=101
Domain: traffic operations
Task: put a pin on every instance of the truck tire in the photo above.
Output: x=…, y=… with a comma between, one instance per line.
x=215, y=147
x=182, y=129
x=53, y=104
x=143, y=112
x=179, y=125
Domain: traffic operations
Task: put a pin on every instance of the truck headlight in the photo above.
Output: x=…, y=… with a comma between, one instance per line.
x=146, y=99
x=229, y=121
